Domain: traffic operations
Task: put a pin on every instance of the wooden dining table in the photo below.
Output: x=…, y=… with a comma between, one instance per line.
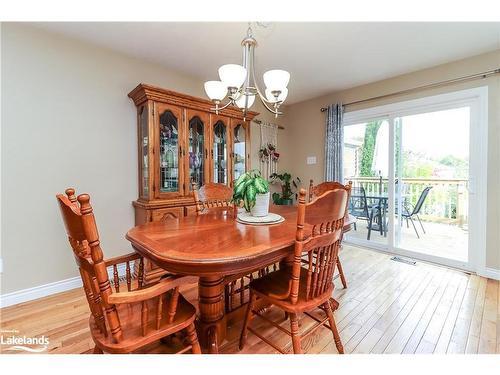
x=216, y=247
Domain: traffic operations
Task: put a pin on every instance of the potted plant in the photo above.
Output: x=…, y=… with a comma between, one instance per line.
x=289, y=188
x=253, y=191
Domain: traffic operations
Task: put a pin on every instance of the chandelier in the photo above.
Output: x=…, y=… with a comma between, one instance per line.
x=238, y=83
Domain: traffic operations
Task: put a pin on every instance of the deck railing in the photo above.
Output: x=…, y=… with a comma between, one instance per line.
x=447, y=201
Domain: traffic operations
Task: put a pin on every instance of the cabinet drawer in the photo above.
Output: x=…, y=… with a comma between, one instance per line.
x=167, y=213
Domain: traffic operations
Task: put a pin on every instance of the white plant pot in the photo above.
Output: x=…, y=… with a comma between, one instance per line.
x=261, y=207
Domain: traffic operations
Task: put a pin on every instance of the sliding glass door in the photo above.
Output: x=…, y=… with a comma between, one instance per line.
x=431, y=155
x=366, y=164
x=415, y=168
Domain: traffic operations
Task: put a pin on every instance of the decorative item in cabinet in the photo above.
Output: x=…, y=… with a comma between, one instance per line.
x=197, y=147
x=179, y=141
x=143, y=136
x=168, y=125
x=220, y=135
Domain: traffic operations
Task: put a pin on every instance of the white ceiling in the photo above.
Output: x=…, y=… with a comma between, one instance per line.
x=321, y=57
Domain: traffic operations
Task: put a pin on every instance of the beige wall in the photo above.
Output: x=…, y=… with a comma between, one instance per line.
x=305, y=126
x=67, y=121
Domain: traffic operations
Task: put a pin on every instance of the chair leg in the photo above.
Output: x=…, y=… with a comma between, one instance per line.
x=334, y=303
x=384, y=223
x=414, y=227
x=97, y=350
x=248, y=318
x=341, y=273
x=333, y=326
x=193, y=339
x=380, y=223
x=418, y=217
x=370, y=223
x=294, y=329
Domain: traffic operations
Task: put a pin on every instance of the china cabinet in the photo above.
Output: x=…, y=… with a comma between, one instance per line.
x=181, y=140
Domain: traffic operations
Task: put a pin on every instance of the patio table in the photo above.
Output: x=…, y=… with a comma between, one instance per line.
x=382, y=204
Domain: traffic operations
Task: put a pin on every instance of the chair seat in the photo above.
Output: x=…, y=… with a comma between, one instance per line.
x=130, y=320
x=276, y=284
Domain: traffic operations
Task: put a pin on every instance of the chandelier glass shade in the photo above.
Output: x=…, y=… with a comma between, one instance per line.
x=238, y=83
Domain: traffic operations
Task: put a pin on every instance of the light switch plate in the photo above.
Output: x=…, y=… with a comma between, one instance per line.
x=311, y=160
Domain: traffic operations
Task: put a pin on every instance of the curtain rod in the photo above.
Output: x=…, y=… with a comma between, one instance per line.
x=260, y=122
x=429, y=86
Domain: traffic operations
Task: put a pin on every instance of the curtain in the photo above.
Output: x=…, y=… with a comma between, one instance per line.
x=268, y=136
x=334, y=143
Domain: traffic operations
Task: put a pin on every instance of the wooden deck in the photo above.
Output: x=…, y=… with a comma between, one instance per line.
x=388, y=307
x=442, y=240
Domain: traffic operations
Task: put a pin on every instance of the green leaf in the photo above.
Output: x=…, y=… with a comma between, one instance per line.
x=250, y=194
x=239, y=189
x=267, y=185
x=241, y=179
x=261, y=185
x=248, y=183
x=245, y=203
x=276, y=198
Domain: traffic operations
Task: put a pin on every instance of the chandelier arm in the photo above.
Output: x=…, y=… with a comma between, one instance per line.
x=262, y=97
x=275, y=112
x=223, y=107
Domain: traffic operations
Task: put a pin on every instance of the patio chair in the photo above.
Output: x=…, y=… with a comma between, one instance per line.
x=410, y=212
x=360, y=209
x=358, y=205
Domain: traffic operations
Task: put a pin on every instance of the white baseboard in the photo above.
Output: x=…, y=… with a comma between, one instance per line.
x=491, y=273
x=36, y=292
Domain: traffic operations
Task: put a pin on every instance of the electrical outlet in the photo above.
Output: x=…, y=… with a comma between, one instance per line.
x=311, y=160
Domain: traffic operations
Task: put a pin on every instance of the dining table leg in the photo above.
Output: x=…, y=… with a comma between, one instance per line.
x=212, y=322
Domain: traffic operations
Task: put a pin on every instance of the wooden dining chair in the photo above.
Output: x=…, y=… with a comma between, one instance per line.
x=124, y=318
x=212, y=195
x=318, y=190
x=236, y=290
x=307, y=284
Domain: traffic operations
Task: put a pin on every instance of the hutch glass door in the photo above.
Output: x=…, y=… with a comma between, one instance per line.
x=170, y=150
x=219, y=153
x=196, y=149
x=144, y=151
x=239, y=150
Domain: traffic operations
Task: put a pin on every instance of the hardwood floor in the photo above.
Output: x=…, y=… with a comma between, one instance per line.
x=388, y=307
